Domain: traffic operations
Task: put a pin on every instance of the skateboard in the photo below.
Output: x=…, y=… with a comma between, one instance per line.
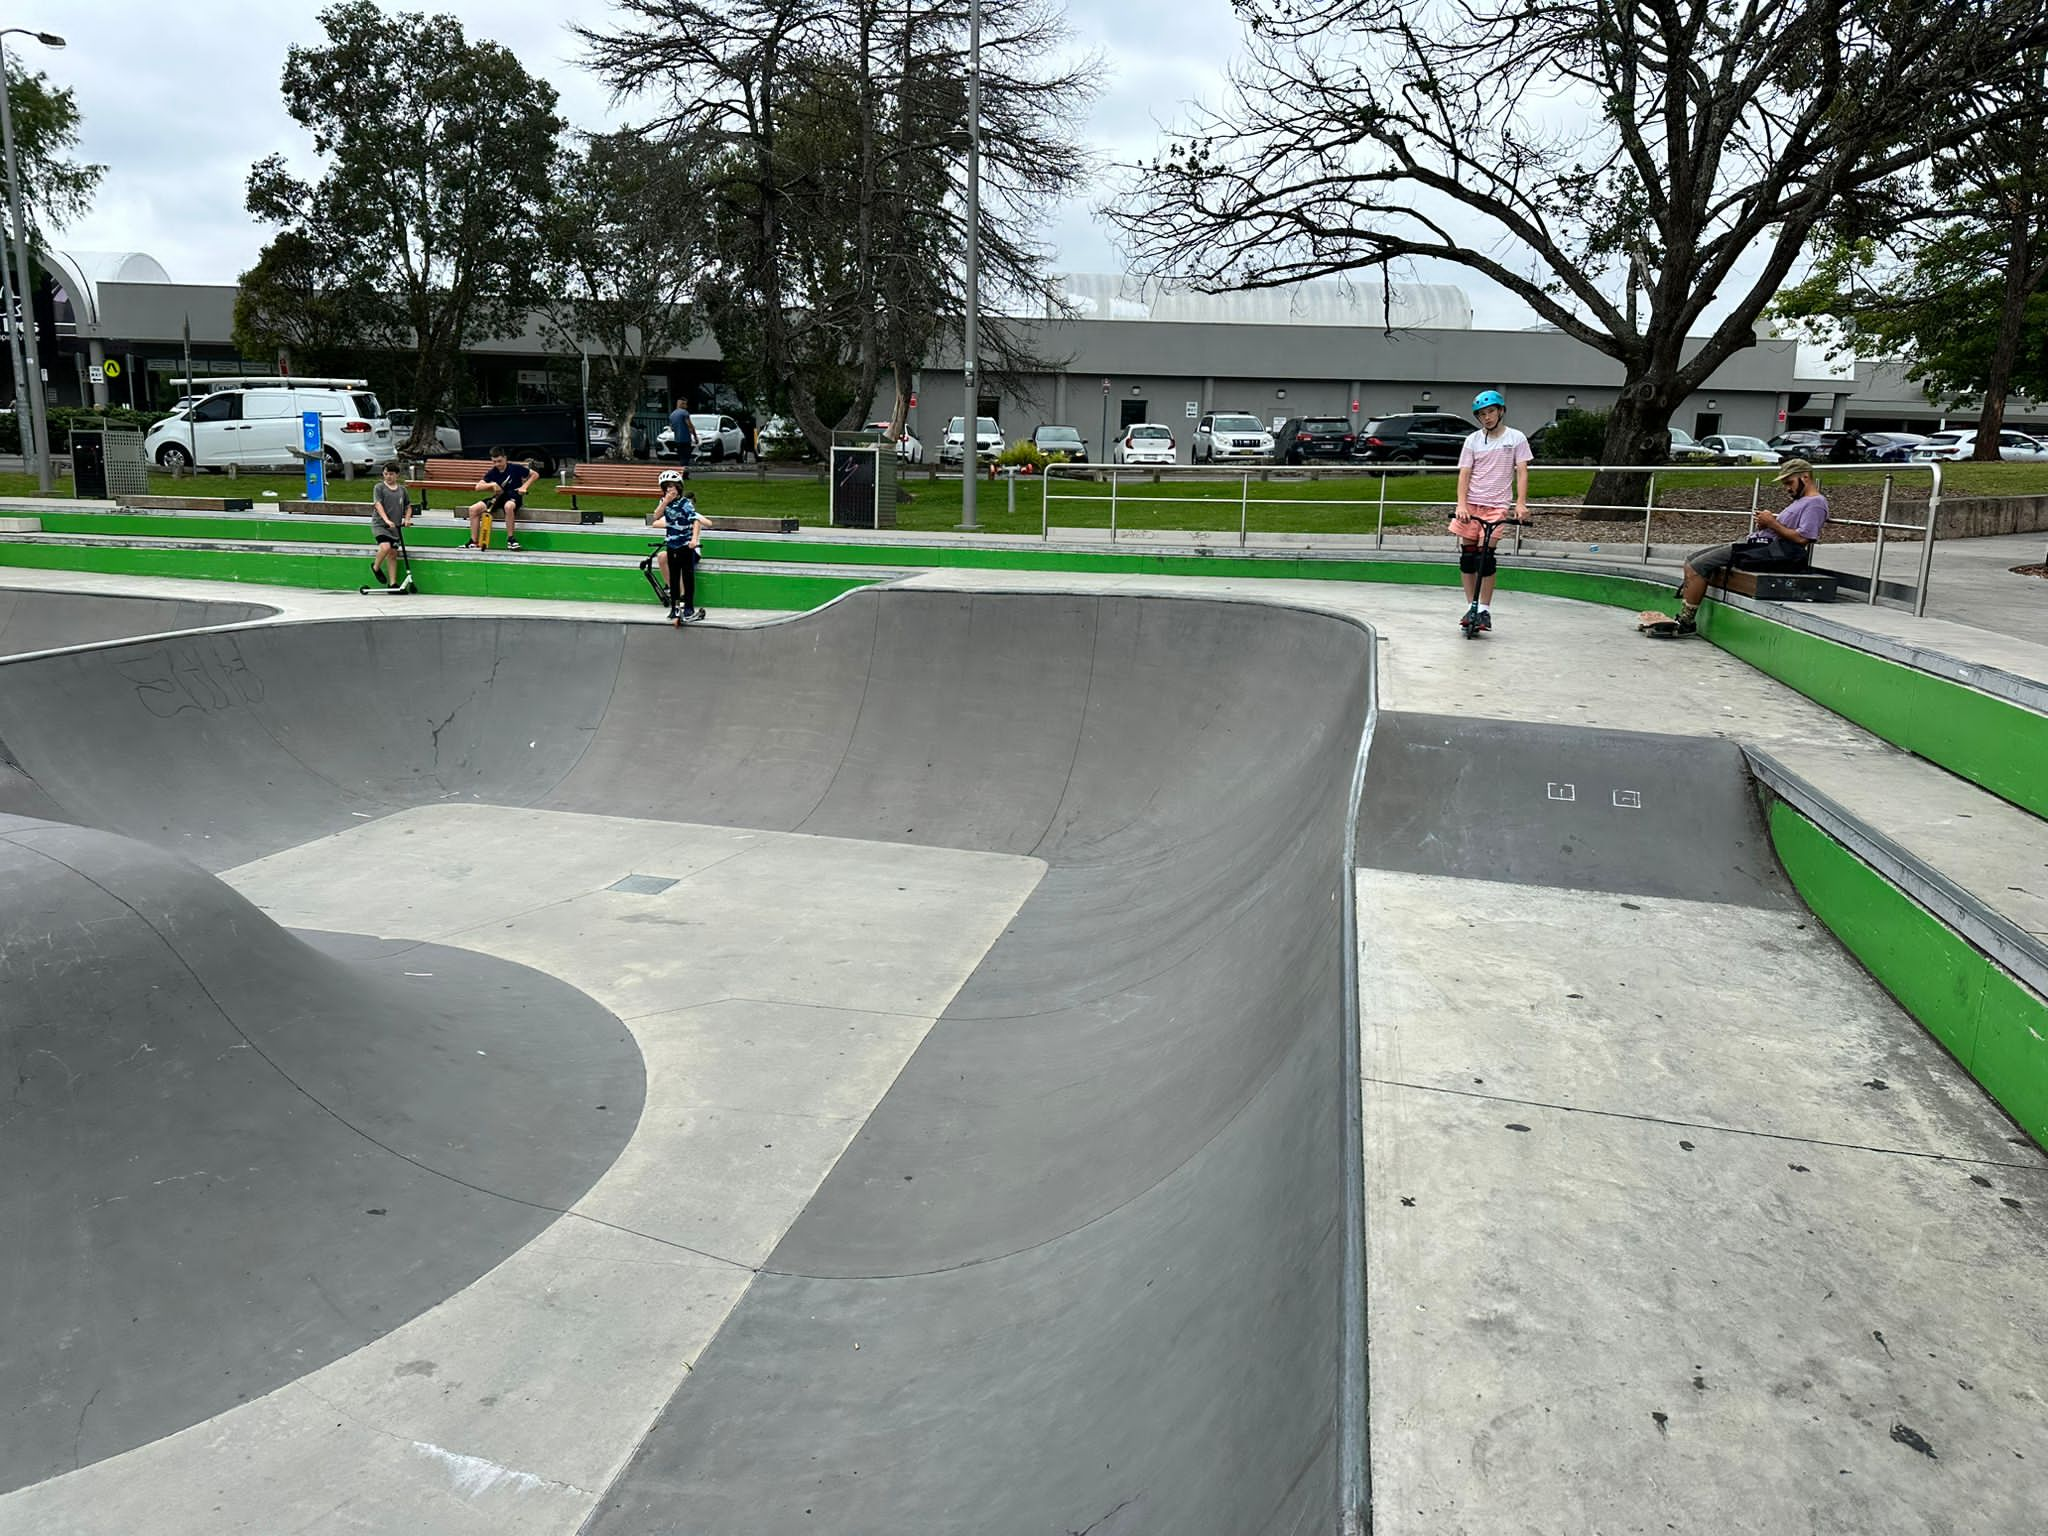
x=1659, y=626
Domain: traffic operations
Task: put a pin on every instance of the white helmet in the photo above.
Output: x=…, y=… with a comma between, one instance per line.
x=669, y=477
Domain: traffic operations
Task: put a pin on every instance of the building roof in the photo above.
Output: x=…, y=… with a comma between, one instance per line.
x=80, y=274
x=1362, y=301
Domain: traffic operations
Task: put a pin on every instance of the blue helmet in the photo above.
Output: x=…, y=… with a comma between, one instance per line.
x=1487, y=397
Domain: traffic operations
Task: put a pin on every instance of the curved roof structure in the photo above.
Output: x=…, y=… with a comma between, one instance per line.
x=80, y=274
x=1330, y=301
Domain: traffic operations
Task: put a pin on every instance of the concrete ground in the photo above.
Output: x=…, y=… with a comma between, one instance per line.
x=1676, y=1221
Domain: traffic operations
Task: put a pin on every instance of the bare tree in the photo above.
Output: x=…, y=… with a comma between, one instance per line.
x=835, y=132
x=624, y=245
x=1636, y=171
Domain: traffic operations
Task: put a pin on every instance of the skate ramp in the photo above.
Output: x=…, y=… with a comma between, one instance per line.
x=1088, y=1244
x=37, y=620
x=233, y=1155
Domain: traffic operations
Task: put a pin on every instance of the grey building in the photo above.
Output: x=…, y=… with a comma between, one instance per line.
x=1130, y=355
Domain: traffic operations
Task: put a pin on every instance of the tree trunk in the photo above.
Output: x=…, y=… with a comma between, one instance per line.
x=1638, y=432
x=2012, y=316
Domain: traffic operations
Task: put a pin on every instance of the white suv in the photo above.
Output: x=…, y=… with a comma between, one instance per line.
x=988, y=439
x=257, y=423
x=1231, y=435
x=1960, y=445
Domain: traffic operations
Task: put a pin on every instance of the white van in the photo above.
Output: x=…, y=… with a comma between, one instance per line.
x=255, y=424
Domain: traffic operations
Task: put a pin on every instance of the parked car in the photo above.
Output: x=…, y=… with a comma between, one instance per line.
x=1230, y=435
x=719, y=438
x=1067, y=442
x=1145, y=442
x=447, y=435
x=988, y=439
x=908, y=449
x=1734, y=449
x=1301, y=438
x=1685, y=449
x=1413, y=439
x=2012, y=446
x=1899, y=446
x=258, y=423
x=1832, y=445
x=603, y=433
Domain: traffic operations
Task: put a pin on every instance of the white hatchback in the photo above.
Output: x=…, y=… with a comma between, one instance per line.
x=2012, y=446
x=261, y=426
x=1144, y=442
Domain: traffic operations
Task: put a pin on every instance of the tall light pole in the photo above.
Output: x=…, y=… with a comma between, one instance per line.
x=25, y=283
x=970, y=443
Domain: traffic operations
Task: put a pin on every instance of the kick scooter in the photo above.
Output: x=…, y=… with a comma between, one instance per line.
x=404, y=585
x=676, y=617
x=1473, y=622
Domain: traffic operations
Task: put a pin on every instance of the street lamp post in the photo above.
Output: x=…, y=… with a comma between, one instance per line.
x=970, y=437
x=24, y=287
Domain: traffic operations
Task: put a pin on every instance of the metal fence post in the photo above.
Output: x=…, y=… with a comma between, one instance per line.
x=1648, y=506
x=1112, y=506
x=1884, y=512
x=1379, y=534
x=1244, y=511
x=1927, y=543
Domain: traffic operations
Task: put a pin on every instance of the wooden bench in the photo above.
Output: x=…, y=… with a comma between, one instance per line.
x=1807, y=586
x=642, y=483
x=445, y=475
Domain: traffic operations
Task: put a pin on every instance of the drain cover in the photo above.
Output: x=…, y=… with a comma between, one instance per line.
x=642, y=885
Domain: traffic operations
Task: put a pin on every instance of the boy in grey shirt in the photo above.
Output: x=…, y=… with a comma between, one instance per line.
x=390, y=511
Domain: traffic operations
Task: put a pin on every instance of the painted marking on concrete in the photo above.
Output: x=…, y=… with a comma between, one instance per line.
x=1628, y=799
x=474, y=1476
x=1563, y=792
x=641, y=885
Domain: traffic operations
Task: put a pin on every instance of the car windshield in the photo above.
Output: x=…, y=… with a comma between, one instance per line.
x=1149, y=432
x=1058, y=435
x=1680, y=436
x=1239, y=424
x=1327, y=424
x=1753, y=444
x=986, y=426
x=1946, y=439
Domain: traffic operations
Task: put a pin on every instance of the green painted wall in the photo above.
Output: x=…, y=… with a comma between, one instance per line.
x=451, y=576
x=1996, y=1027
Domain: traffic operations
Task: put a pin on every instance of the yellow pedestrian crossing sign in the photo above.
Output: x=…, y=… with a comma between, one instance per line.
x=112, y=369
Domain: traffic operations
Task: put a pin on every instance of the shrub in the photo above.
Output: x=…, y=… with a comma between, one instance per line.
x=1575, y=437
x=1025, y=453
x=64, y=417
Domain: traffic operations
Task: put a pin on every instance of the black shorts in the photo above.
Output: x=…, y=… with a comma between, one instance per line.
x=1778, y=555
x=386, y=538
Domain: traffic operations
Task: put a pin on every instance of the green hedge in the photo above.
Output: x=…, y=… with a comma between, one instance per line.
x=64, y=417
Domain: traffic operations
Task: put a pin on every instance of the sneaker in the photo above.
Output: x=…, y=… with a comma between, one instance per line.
x=1686, y=626
x=1471, y=618
x=513, y=544
x=470, y=545
x=1486, y=618
x=699, y=616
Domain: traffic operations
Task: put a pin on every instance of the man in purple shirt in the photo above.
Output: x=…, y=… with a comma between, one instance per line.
x=1782, y=541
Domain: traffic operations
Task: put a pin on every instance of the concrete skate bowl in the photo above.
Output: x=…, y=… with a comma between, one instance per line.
x=1090, y=1242
x=39, y=620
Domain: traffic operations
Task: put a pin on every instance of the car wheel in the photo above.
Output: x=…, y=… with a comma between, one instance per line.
x=334, y=465
x=173, y=456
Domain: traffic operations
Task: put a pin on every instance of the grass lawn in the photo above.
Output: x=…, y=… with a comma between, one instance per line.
x=1339, y=503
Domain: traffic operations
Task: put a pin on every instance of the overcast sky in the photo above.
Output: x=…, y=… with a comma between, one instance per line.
x=180, y=98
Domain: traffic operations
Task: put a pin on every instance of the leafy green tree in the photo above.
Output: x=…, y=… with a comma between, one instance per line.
x=437, y=156
x=1644, y=174
x=1960, y=291
x=55, y=188
x=624, y=241
x=307, y=300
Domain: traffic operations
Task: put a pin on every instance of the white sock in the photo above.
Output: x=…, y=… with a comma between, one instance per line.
x=1486, y=607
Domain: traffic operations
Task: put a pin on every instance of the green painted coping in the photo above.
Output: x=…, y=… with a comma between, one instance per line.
x=1996, y=1027
x=456, y=578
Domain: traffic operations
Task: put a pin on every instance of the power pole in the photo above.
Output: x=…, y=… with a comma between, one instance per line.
x=970, y=445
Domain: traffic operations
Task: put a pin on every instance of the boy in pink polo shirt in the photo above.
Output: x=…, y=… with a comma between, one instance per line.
x=1493, y=477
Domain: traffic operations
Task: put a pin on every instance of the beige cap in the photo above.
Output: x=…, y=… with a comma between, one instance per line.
x=1793, y=467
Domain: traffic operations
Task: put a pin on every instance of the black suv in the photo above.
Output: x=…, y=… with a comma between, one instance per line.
x=1832, y=446
x=1413, y=439
x=1313, y=437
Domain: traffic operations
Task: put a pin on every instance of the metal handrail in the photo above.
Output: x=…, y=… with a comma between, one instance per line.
x=1383, y=472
